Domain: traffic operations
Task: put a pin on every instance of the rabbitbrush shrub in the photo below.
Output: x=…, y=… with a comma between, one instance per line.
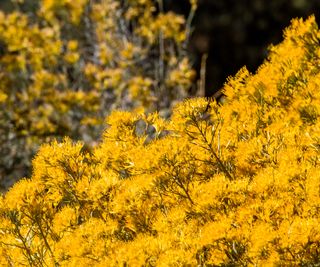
x=64, y=65
x=230, y=185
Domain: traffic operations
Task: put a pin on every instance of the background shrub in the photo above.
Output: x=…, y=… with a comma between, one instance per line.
x=66, y=64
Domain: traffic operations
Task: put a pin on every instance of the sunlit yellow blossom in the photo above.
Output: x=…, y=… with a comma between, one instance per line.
x=216, y=185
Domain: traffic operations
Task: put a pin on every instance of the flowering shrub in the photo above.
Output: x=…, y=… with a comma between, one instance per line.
x=230, y=185
x=66, y=64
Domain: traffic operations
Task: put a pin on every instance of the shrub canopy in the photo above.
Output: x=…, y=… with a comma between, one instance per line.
x=230, y=185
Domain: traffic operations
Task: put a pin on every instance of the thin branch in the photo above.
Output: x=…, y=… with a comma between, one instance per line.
x=203, y=70
x=209, y=147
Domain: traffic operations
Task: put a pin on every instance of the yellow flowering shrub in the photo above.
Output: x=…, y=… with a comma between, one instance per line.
x=67, y=64
x=216, y=185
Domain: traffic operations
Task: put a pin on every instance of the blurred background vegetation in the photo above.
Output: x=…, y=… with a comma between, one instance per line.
x=66, y=65
x=234, y=33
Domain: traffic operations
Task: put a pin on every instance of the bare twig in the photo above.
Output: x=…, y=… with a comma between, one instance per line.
x=202, y=81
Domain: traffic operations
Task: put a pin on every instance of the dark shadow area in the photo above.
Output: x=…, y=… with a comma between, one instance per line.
x=235, y=33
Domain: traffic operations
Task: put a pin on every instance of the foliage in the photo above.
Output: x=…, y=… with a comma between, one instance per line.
x=66, y=64
x=230, y=185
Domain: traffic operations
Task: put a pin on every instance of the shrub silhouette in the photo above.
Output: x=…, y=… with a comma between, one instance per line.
x=230, y=185
x=66, y=64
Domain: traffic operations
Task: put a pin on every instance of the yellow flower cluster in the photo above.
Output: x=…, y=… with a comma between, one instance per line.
x=67, y=64
x=230, y=185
